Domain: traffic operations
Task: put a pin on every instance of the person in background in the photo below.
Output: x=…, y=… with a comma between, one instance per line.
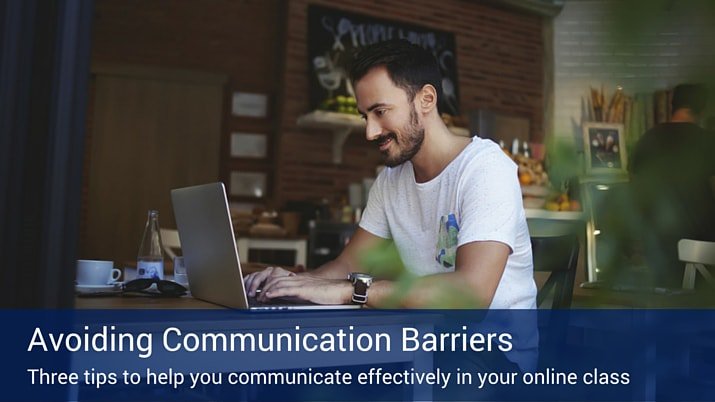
x=450, y=205
x=671, y=169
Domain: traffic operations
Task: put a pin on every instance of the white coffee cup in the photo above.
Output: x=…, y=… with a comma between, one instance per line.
x=96, y=272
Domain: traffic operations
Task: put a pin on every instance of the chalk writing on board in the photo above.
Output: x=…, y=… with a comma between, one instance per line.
x=334, y=34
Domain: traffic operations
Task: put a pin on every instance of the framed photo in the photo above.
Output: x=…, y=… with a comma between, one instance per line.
x=249, y=145
x=248, y=184
x=604, y=148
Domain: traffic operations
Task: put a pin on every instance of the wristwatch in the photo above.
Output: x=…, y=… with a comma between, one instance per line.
x=361, y=282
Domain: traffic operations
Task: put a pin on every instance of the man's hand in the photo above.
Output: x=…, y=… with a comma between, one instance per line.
x=256, y=280
x=277, y=282
x=307, y=287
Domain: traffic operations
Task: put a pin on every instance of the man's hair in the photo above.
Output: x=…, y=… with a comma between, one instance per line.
x=409, y=66
x=691, y=96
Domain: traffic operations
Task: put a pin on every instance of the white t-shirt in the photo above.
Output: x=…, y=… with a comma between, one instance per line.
x=475, y=198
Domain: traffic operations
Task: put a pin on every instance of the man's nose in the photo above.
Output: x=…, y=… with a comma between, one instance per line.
x=372, y=129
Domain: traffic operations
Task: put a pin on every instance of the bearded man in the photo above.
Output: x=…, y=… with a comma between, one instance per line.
x=451, y=205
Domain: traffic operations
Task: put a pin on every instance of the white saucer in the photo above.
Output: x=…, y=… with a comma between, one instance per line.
x=96, y=288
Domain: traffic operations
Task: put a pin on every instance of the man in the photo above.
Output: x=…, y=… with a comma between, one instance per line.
x=451, y=205
x=672, y=165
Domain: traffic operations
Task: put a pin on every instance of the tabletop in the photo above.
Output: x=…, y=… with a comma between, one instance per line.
x=138, y=302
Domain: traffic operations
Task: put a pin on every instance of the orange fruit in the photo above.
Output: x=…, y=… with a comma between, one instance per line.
x=525, y=179
x=551, y=206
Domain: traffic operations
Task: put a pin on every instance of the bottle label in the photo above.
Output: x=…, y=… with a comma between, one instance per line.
x=150, y=269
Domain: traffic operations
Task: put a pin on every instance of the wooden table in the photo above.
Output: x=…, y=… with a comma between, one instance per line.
x=123, y=302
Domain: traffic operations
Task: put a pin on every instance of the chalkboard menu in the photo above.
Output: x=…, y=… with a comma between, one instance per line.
x=333, y=35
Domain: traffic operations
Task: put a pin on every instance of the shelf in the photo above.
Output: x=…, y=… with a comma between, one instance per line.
x=532, y=213
x=342, y=125
x=604, y=179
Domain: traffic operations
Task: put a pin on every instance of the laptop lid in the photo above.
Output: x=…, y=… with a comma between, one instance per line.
x=208, y=243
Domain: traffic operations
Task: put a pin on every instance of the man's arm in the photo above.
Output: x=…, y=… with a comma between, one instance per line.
x=348, y=261
x=338, y=269
x=479, y=269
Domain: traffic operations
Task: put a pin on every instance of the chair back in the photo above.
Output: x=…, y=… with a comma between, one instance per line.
x=170, y=242
x=697, y=255
x=697, y=251
x=559, y=256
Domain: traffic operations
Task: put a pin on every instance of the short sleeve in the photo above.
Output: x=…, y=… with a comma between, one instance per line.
x=490, y=201
x=374, y=218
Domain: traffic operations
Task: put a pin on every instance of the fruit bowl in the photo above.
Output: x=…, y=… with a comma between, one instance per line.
x=535, y=191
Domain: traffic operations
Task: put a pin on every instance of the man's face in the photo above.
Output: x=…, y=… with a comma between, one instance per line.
x=392, y=121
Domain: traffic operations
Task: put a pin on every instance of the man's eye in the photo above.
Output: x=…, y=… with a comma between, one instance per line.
x=380, y=112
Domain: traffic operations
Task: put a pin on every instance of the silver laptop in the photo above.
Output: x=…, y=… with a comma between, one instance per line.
x=209, y=248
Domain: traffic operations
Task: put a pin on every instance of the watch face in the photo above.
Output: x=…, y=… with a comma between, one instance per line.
x=357, y=276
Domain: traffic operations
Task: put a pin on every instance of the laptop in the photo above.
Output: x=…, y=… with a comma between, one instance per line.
x=209, y=248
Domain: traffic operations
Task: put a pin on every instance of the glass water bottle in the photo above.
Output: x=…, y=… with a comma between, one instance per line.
x=150, y=259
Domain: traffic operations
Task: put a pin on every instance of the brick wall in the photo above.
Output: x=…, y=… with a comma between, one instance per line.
x=500, y=67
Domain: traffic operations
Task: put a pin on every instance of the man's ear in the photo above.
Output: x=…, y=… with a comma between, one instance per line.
x=426, y=99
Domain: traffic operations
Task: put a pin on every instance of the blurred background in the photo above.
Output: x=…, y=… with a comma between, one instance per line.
x=109, y=104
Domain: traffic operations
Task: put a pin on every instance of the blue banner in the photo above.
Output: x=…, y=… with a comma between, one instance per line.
x=187, y=355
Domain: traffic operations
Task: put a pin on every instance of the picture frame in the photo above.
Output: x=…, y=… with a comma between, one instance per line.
x=604, y=148
x=249, y=145
x=246, y=184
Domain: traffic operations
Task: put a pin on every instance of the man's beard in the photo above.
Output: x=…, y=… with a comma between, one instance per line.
x=411, y=142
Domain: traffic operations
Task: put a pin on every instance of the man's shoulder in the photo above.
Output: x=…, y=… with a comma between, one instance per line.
x=650, y=145
x=662, y=134
x=668, y=129
x=661, y=131
x=484, y=156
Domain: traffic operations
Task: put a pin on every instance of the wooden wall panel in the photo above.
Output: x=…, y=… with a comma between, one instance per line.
x=238, y=39
x=150, y=135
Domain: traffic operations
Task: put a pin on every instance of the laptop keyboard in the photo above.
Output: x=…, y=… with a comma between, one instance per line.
x=252, y=301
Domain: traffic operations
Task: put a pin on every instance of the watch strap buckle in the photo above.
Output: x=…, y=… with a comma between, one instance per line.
x=359, y=299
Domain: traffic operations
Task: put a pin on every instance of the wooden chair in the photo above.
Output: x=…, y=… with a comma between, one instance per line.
x=170, y=242
x=697, y=255
x=559, y=256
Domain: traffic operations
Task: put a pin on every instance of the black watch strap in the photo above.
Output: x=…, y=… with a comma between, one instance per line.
x=359, y=292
